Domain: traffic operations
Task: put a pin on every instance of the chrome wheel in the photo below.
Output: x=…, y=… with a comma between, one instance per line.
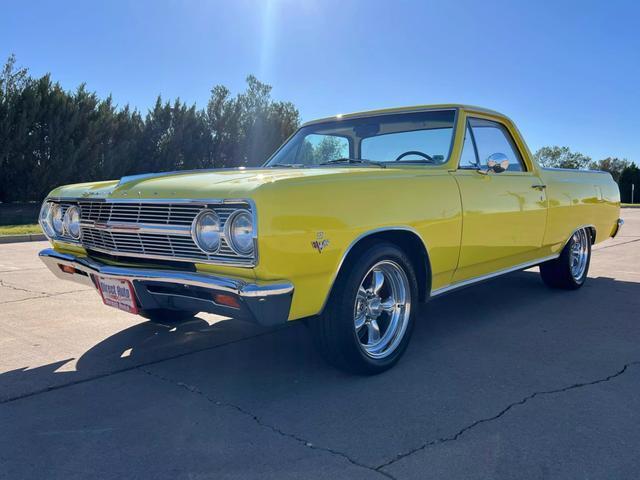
x=382, y=308
x=579, y=253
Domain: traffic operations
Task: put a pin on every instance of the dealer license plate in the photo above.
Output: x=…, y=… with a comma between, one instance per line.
x=117, y=293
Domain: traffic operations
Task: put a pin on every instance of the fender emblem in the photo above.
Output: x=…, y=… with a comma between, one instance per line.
x=321, y=242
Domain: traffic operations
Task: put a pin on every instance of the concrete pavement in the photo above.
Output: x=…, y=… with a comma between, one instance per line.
x=503, y=380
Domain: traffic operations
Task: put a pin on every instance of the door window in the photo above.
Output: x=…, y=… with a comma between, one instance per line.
x=468, y=158
x=490, y=138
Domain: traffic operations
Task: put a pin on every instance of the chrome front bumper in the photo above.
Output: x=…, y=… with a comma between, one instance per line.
x=266, y=303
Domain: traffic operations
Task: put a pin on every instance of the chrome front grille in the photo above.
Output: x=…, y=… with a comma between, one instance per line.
x=150, y=229
x=162, y=214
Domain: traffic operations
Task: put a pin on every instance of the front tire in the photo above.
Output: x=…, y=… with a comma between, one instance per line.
x=569, y=271
x=367, y=323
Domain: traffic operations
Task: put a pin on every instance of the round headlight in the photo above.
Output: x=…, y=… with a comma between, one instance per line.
x=205, y=231
x=72, y=221
x=55, y=218
x=240, y=232
x=45, y=219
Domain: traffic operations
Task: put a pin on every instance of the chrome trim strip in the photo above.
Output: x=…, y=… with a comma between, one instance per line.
x=558, y=169
x=190, y=201
x=471, y=281
x=123, y=227
x=231, y=261
x=593, y=237
x=238, y=287
x=515, y=268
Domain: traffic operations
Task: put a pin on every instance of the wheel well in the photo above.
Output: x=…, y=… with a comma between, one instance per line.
x=592, y=231
x=410, y=243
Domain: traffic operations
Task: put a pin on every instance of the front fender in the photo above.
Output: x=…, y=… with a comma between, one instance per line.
x=307, y=228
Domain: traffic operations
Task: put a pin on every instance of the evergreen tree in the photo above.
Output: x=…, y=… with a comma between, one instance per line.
x=630, y=176
x=51, y=137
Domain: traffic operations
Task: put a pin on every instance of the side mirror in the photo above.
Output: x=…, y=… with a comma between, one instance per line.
x=496, y=163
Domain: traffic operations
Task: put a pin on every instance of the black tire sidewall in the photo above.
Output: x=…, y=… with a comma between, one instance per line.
x=354, y=357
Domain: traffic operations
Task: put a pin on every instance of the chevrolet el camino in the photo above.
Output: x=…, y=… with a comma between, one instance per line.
x=350, y=225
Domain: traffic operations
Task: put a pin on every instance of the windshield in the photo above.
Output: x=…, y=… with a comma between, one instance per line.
x=420, y=137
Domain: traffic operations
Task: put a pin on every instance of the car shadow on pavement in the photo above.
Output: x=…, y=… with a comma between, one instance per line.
x=140, y=344
x=475, y=353
x=507, y=306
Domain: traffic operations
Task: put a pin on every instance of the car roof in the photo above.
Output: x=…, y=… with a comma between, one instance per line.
x=416, y=108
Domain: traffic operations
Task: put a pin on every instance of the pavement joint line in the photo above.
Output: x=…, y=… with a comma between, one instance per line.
x=520, y=402
x=137, y=366
x=39, y=294
x=18, y=269
x=260, y=422
x=616, y=245
x=20, y=289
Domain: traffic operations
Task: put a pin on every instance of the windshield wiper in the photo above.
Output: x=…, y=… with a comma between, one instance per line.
x=287, y=165
x=353, y=160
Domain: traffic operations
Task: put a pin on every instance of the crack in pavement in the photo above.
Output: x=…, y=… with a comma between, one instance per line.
x=35, y=292
x=306, y=443
x=19, y=289
x=524, y=400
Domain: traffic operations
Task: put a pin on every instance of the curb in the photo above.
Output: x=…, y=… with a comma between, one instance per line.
x=32, y=237
x=630, y=206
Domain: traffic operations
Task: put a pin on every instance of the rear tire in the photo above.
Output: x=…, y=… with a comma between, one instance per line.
x=368, y=320
x=569, y=271
x=167, y=317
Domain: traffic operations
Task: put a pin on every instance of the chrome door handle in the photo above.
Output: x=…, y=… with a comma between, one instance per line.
x=539, y=187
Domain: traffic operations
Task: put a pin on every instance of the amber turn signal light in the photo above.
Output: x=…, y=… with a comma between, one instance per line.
x=67, y=268
x=227, y=300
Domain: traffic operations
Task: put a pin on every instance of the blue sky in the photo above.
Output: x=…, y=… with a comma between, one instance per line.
x=568, y=73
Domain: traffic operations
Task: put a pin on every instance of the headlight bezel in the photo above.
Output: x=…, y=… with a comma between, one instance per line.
x=231, y=238
x=195, y=234
x=57, y=224
x=67, y=222
x=54, y=213
x=44, y=219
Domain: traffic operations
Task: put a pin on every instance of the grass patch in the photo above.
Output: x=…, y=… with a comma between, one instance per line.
x=20, y=229
x=630, y=205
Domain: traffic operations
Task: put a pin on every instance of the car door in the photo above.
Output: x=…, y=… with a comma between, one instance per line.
x=504, y=214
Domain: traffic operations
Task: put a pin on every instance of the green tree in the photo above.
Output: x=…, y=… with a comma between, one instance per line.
x=248, y=128
x=630, y=176
x=561, y=157
x=50, y=136
x=315, y=153
x=613, y=165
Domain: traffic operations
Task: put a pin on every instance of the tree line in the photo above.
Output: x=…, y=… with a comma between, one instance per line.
x=623, y=171
x=51, y=137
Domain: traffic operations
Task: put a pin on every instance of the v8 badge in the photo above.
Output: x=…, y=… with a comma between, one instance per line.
x=320, y=243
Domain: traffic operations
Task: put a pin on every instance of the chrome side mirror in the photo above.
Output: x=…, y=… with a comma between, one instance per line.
x=496, y=163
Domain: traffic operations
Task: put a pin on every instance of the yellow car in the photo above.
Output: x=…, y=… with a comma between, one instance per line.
x=352, y=223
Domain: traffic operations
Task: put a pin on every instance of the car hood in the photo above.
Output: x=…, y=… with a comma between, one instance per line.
x=220, y=183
